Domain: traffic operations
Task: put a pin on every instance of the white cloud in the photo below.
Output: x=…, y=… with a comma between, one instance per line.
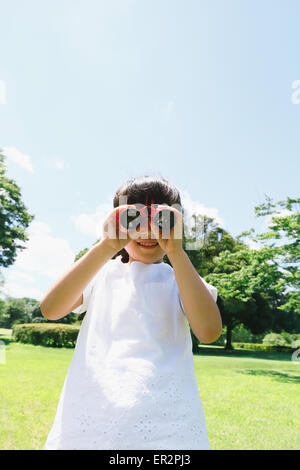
x=22, y=277
x=45, y=256
x=91, y=223
x=194, y=207
x=2, y=92
x=22, y=160
x=19, y=290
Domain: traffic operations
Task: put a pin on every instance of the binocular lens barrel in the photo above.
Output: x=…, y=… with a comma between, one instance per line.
x=130, y=219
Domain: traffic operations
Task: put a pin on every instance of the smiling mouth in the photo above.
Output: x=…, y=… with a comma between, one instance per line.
x=148, y=245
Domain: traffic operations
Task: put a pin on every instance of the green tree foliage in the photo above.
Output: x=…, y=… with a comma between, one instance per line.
x=252, y=282
x=284, y=226
x=14, y=311
x=3, y=316
x=19, y=311
x=203, y=243
x=211, y=240
x=275, y=339
x=14, y=218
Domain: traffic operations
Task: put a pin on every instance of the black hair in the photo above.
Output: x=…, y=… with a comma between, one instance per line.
x=146, y=190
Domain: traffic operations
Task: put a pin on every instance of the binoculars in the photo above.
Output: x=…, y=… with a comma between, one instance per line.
x=131, y=218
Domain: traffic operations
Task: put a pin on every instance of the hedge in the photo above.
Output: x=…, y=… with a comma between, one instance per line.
x=62, y=335
x=59, y=335
x=263, y=347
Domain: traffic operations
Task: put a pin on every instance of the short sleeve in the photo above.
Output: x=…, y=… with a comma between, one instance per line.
x=211, y=289
x=86, y=297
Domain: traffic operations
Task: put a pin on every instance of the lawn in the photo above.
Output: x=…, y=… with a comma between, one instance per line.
x=251, y=400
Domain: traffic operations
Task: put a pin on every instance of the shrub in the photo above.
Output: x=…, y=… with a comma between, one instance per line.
x=262, y=347
x=287, y=337
x=46, y=334
x=242, y=334
x=275, y=339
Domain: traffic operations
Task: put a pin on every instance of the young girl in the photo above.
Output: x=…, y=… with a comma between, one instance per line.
x=131, y=383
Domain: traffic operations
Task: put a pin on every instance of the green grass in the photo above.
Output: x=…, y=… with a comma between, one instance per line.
x=251, y=400
x=5, y=335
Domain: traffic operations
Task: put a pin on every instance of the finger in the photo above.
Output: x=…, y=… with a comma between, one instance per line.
x=154, y=230
x=121, y=231
x=177, y=229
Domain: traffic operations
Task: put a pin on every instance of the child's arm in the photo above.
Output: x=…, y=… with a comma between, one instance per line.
x=66, y=294
x=201, y=310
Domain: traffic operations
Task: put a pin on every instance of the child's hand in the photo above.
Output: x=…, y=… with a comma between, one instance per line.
x=115, y=235
x=169, y=240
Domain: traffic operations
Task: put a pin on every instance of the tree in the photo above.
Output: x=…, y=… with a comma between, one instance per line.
x=14, y=218
x=204, y=242
x=252, y=284
x=285, y=224
x=3, y=316
x=25, y=310
x=211, y=240
x=19, y=310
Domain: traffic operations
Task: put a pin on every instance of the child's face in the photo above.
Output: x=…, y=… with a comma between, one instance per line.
x=146, y=254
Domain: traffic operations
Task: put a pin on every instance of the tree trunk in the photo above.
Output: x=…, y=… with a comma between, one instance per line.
x=228, y=345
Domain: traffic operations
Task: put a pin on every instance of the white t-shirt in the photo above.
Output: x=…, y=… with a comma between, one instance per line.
x=131, y=383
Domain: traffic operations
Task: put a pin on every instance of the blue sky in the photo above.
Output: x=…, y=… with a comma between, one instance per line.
x=93, y=93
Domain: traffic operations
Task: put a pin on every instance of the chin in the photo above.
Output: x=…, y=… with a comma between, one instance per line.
x=148, y=255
